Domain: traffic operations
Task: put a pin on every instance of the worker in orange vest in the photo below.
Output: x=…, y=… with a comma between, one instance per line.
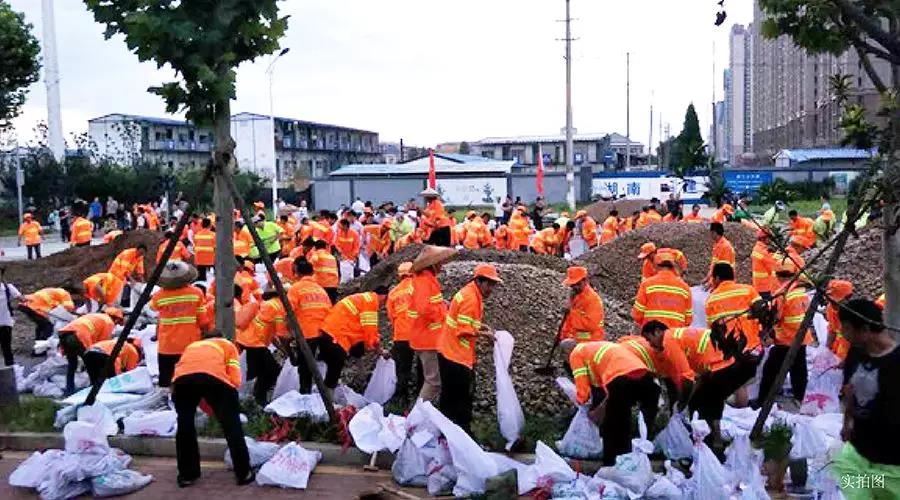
x=475, y=233
x=663, y=297
x=82, y=231
x=326, y=269
x=347, y=244
x=428, y=311
x=456, y=347
x=97, y=357
x=838, y=291
x=378, y=240
x=694, y=217
x=204, y=248
x=519, y=229
x=803, y=237
x=83, y=332
x=209, y=370
x=246, y=278
x=437, y=224
x=30, y=232
x=242, y=240
x=667, y=363
x=648, y=216
x=723, y=251
x=501, y=238
x=763, y=265
x=129, y=263
x=792, y=303
x=613, y=380
x=723, y=213
x=255, y=341
x=545, y=241
x=110, y=236
x=182, y=315
x=588, y=228
x=104, y=288
x=37, y=307
x=584, y=317
x=350, y=329
x=397, y=306
x=180, y=253
x=286, y=238
x=611, y=227
x=311, y=304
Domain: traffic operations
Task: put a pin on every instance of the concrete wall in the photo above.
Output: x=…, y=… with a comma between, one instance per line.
x=555, y=187
x=381, y=190
x=331, y=194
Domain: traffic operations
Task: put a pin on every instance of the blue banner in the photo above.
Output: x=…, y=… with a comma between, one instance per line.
x=746, y=181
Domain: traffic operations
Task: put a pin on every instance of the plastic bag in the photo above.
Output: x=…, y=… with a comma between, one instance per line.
x=409, y=468
x=151, y=423
x=806, y=440
x=100, y=416
x=119, y=483
x=151, y=349
x=290, y=467
x=48, y=390
x=509, y=411
x=744, y=462
x=345, y=396
x=346, y=270
x=373, y=432
x=632, y=470
x=52, y=490
x=709, y=478
x=582, y=438
x=699, y=294
x=441, y=480
x=83, y=437
x=662, y=489
x=825, y=381
x=383, y=381
x=30, y=472
x=674, y=441
x=548, y=467
x=260, y=452
x=288, y=380
x=293, y=404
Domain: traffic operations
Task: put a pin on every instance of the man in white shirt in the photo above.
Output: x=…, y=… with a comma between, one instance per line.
x=358, y=206
x=8, y=293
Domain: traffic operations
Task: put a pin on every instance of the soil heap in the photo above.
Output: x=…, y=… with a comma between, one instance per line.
x=862, y=263
x=615, y=271
x=599, y=211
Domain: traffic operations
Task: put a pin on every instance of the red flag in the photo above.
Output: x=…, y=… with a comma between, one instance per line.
x=432, y=175
x=540, y=172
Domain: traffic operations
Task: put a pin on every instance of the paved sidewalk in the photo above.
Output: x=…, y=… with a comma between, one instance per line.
x=50, y=245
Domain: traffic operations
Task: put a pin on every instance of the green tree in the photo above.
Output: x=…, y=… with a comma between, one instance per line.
x=204, y=41
x=20, y=66
x=688, y=150
x=464, y=148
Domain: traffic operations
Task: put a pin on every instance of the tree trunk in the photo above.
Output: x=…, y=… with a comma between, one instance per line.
x=226, y=266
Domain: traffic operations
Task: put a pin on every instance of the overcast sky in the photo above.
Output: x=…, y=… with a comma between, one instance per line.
x=432, y=71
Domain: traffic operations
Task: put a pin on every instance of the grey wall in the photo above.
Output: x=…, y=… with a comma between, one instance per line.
x=331, y=194
x=555, y=187
x=381, y=190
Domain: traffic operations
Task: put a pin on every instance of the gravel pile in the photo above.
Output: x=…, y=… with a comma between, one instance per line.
x=615, y=271
x=600, y=211
x=529, y=305
x=862, y=263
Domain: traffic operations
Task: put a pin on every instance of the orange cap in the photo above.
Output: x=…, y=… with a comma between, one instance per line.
x=581, y=213
x=663, y=256
x=646, y=250
x=574, y=275
x=839, y=290
x=827, y=215
x=114, y=312
x=404, y=269
x=259, y=205
x=487, y=271
x=728, y=209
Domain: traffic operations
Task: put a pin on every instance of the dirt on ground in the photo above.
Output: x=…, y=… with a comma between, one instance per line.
x=599, y=211
x=862, y=263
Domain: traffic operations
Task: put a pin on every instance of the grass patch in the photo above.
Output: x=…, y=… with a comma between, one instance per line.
x=486, y=431
x=32, y=414
x=806, y=208
x=260, y=423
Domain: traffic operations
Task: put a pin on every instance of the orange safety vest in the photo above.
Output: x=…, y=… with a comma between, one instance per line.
x=30, y=232
x=325, y=268
x=311, y=304
x=589, y=231
x=91, y=328
x=347, y=244
x=596, y=364
x=82, y=231
x=610, y=229
x=722, y=253
x=427, y=310
x=545, y=241
x=669, y=363
x=249, y=287
x=128, y=357
x=182, y=313
x=697, y=347
x=110, y=285
x=840, y=346
x=694, y=219
x=802, y=232
x=792, y=308
x=461, y=326
x=269, y=321
x=665, y=298
x=398, y=303
x=110, y=236
x=434, y=216
x=475, y=234
x=46, y=299
x=287, y=237
x=285, y=267
x=586, y=317
x=731, y=302
x=217, y=357
x=205, y=248
x=180, y=253
x=352, y=320
x=763, y=266
x=128, y=262
x=519, y=231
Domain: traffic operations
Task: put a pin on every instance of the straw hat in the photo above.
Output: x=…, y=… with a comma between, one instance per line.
x=646, y=250
x=431, y=256
x=487, y=271
x=404, y=269
x=429, y=193
x=176, y=275
x=574, y=275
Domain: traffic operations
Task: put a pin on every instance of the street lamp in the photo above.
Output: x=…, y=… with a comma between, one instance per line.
x=271, y=72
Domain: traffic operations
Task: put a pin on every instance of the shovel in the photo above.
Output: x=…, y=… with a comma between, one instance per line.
x=549, y=370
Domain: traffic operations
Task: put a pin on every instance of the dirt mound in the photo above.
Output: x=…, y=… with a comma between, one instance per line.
x=599, y=211
x=862, y=263
x=67, y=269
x=615, y=271
x=529, y=305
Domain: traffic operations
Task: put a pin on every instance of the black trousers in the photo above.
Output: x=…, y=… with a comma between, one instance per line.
x=187, y=392
x=261, y=365
x=43, y=329
x=403, y=356
x=457, y=384
x=799, y=375
x=332, y=294
x=714, y=388
x=85, y=244
x=95, y=365
x=167, y=364
x=35, y=249
x=305, y=372
x=334, y=357
x=6, y=345
x=623, y=394
x=440, y=237
x=201, y=272
x=72, y=349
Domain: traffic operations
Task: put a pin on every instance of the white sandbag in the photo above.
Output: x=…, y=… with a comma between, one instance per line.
x=289, y=468
x=48, y=389
x=582, y=438
x=737, y=421
x=293, y=404
x=807, y=441
x=577, y=247
x=136, y=381
x=825, y=381
x=509, y=411
x=548, y=467
x=151, y=423
x=568, y=388
x=260, y=452
x=118, y=483
x=364, y=263
x=84, y=437
x=710, y=479
x=288, y=380
x=699, y=294
x=745, y=462
x=345, y=396
x=393, y=431
x=19, y=373
x=29, y=473
x=383, y=381
x=54, y=490
x=346, y=269
x=820, y=326
x=441, y=480
x=632, y=470
x=365, y=426
x=59, y=313
x=409, y=467
x=674, y=441
x=99, y=415
x=472, y=463
x=662, y=489
x=151, y=349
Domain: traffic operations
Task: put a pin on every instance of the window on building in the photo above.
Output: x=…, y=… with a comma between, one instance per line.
x=169, y=133
x=190, y=135
x=202, y=138
x=182, y=138
x=487, y=153
x=159, y=135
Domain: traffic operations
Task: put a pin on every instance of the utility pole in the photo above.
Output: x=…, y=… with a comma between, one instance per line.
x=51, y=80
x=650, y=141
x=271, y=72
x=662, y=141
x=20, y=181
x=714, y=140
x=627, y=110
x=570, y=140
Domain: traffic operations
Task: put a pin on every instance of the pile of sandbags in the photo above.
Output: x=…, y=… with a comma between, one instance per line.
x=862, y=262
x=616, y=272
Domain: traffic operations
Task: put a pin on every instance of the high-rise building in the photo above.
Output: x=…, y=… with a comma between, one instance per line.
x=739, y=95
x=717, y=132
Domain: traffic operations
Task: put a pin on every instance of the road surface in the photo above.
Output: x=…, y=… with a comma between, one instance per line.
x=327, y=481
